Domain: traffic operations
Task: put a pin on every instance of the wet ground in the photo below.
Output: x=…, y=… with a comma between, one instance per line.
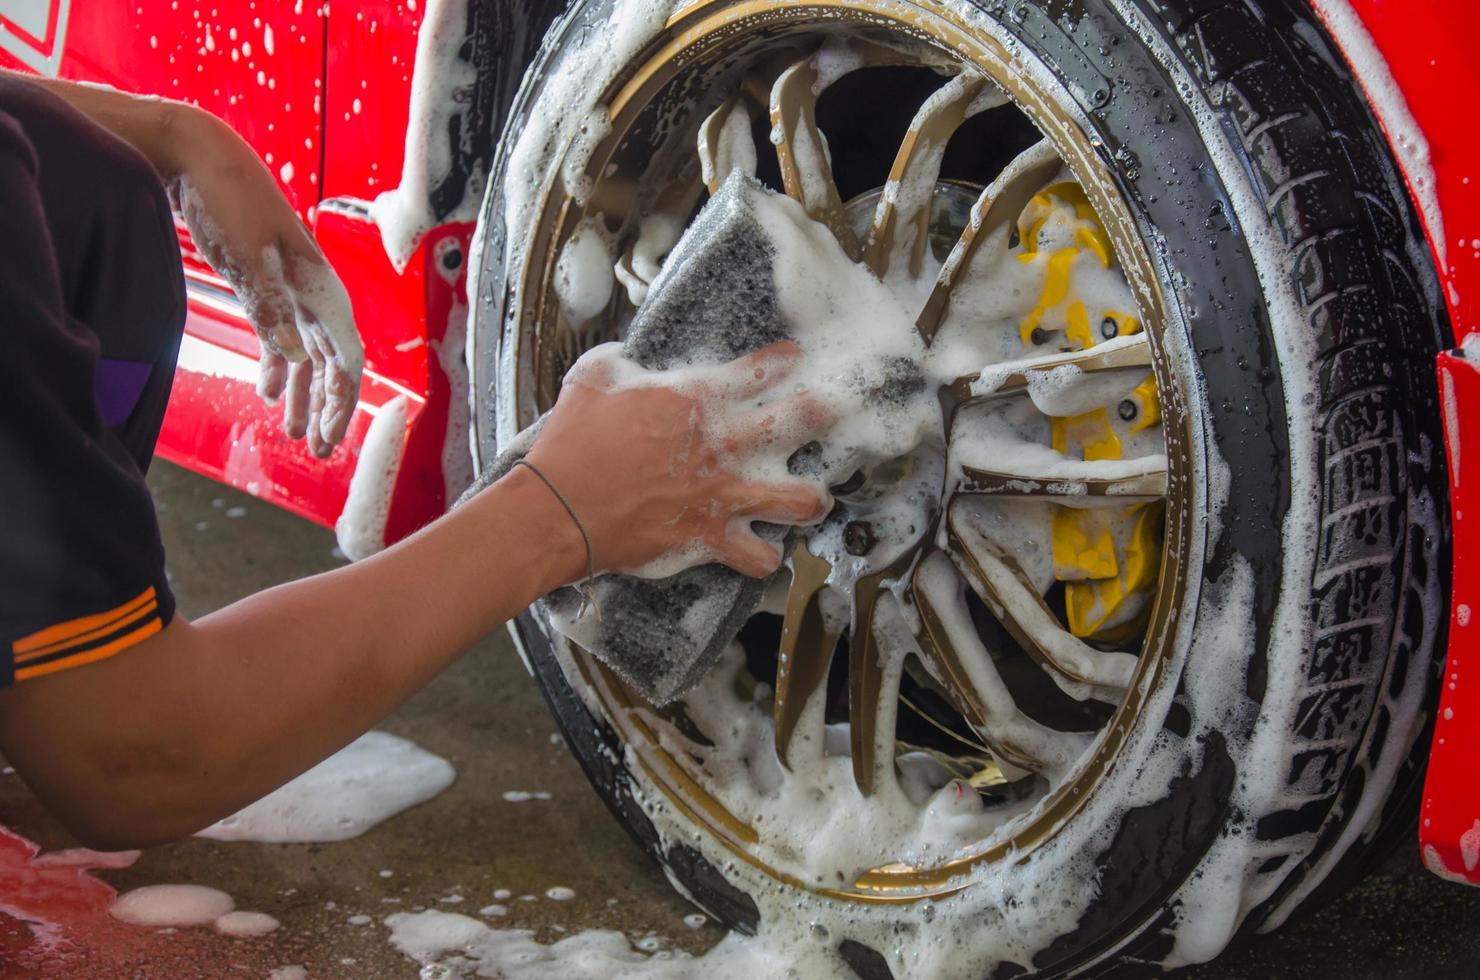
x=454, y=852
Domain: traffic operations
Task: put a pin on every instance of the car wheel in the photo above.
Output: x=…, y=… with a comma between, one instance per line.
x=1154, y=664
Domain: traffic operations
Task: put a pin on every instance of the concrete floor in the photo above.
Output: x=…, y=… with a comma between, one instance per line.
x=487, y=718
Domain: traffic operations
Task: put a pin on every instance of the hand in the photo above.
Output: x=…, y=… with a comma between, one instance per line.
x=648, y=460
x=249, y=234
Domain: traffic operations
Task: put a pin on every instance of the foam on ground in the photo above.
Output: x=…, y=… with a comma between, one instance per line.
x=172, y=905
x=462, y=946
x=372, y=779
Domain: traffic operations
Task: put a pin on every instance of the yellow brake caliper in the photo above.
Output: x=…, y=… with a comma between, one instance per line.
x=1107, y=557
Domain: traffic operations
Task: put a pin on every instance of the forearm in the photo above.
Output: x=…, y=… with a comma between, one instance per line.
x=208, y=716
x=152, y=125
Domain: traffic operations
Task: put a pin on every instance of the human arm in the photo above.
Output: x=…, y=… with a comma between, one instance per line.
x=247, y=230
x=204, y=717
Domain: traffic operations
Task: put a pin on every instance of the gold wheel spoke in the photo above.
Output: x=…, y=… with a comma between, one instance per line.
x=1079, y=669
x=806, y=174
x=1131, y=355
x=999, y=205
x=806, y=646
x=907, y=197
x=1071, y=482
x=865, y=683
x=725, y=143
x=950, y=640
x=936, y=643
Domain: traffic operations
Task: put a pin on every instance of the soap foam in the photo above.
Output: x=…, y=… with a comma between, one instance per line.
x=172, y=905
x=364, y=784
x=360, y=529
x=245, y=924
x=463, y=946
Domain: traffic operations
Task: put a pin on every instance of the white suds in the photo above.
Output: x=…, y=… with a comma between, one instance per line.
x=245, y=924
x=441, y=86
x=525, y=795
x=1469, y=846
x=367, y=782
x=560, y=893
x=463, y=946
x=360, y=530
x=584, y=279
x=172, y=905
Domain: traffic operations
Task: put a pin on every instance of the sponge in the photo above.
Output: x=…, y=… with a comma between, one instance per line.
x=714, y=300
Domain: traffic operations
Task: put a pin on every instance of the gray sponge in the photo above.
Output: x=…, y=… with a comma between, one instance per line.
x=714, y=300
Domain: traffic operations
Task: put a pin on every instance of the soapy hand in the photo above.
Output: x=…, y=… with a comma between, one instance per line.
x=649, y=460
x=249, y=234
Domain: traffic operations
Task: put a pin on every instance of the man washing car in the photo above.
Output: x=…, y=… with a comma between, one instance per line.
x=135, y=726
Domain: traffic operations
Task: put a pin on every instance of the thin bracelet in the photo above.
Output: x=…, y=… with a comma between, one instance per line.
x=587, y=598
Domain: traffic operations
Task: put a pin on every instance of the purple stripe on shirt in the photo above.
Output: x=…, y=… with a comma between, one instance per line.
x=118, y=386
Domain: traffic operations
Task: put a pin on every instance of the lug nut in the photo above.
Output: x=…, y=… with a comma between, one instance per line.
x=1109, y=328
x=1039, y=336
x=858, y=538
x=1127, y=410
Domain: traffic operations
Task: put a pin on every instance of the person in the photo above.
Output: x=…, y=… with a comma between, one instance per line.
x=135, y=726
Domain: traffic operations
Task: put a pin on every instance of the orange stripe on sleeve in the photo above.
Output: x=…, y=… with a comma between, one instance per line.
x=63, y=634
x=93, y=655
x=91, y=635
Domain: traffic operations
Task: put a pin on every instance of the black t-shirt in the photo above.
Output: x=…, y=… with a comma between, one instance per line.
x=91, y=309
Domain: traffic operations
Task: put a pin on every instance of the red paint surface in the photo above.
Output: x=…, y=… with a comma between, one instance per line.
x=370, y=55
x=1429, y=49
x=211, y=54
x=1451, y=799
x=52, y=909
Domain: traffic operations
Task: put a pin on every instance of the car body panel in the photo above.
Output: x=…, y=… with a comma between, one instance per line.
x=1424, y=69
x=1449, y=823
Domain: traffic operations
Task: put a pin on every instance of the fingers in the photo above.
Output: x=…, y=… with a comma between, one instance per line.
x=341, y=394
x=272, y=376
x=321, y=304
x=314, y=431
x=336, y=359
x=596, y=368
x=269, y=306
x=747, y=553
x=295, y=405
x=789, y=502
x=795, y=419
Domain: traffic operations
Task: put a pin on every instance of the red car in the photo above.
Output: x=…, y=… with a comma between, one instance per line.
x=1151, y=637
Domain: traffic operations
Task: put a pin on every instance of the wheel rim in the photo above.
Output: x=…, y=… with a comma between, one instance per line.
x=1014, y=751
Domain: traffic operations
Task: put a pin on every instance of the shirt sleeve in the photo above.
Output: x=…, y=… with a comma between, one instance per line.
x=81, y=562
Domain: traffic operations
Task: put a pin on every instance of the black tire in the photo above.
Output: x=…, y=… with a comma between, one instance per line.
x=1305, y=309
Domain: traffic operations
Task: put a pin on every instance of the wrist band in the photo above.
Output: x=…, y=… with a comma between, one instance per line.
x=587, y=598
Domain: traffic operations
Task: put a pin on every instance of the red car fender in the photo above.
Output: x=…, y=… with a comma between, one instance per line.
x=1449, y=824
x=1414, y=61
